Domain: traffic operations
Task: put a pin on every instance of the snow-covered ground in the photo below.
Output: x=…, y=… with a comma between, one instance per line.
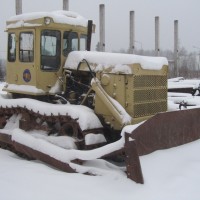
x=168, y=174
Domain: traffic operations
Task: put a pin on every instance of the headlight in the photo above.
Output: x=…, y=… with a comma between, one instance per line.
x=47, y=20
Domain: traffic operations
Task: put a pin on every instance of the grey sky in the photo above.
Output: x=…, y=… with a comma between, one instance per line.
x=117, y=20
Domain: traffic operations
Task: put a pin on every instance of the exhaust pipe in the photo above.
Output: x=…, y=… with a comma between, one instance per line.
x=89, y=34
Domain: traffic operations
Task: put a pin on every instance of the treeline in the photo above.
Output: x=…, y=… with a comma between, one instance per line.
x=188, y=62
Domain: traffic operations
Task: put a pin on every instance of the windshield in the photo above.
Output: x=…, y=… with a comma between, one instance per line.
x=70, y=42
x=50, y=50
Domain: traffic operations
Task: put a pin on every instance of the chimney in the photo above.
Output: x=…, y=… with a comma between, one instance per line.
x=176, y=72
x=157, y=36
x=102, y=27
x=18, y=7
x=65, y=4
x=132, y=32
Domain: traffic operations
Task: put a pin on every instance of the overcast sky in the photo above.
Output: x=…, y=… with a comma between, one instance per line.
x=117, y=20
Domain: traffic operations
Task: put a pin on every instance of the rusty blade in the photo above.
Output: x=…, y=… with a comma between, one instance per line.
x=5, y=138
x=166, y=130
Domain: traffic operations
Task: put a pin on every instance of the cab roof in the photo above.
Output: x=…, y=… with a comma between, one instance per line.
x=37, y=19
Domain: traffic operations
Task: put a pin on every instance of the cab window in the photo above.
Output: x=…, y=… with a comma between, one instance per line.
x=70, y=42
x=11, y=47
x=83, y=42
x=26, y=47
x=50, y=50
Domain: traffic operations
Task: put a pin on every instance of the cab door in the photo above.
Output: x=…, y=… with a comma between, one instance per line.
x=50, y=70
x=21, y=58
x=27, y=57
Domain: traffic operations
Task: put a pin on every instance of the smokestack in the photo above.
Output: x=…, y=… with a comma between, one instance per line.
x=176, y=72
x=132, y=32
x=89, y=34
x=102, y=27
x=18, y=7
x=157, y=36
x=65, y=4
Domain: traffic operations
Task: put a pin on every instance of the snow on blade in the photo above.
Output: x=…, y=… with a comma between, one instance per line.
x=94, y=139
x=65, y=142
x=64, y=155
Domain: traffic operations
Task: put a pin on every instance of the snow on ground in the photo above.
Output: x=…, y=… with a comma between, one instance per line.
x=180, y=82
x=168, y=174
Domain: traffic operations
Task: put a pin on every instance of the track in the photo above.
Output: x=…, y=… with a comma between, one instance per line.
x=55, y=119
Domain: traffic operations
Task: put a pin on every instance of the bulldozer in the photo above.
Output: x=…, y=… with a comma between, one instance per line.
x=62, y=88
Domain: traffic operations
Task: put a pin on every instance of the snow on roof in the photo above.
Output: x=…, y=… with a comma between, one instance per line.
x=63, y=17
x=115, y=62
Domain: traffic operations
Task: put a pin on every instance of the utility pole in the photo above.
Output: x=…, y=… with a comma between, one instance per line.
x=157, y=36
x=132, y=32
x=176, y=71
x=102, y=27
x=18, y=7
x=65, y=4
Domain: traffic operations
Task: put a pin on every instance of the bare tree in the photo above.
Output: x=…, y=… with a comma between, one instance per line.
x=188, y=63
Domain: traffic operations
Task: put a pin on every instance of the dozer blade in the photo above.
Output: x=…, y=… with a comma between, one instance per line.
x=162, y=131
x=166, y=130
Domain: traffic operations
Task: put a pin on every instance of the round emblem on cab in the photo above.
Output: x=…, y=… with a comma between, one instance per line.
x=27, y=75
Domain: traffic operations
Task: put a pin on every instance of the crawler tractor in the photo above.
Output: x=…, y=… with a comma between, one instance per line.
x=62, y=88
